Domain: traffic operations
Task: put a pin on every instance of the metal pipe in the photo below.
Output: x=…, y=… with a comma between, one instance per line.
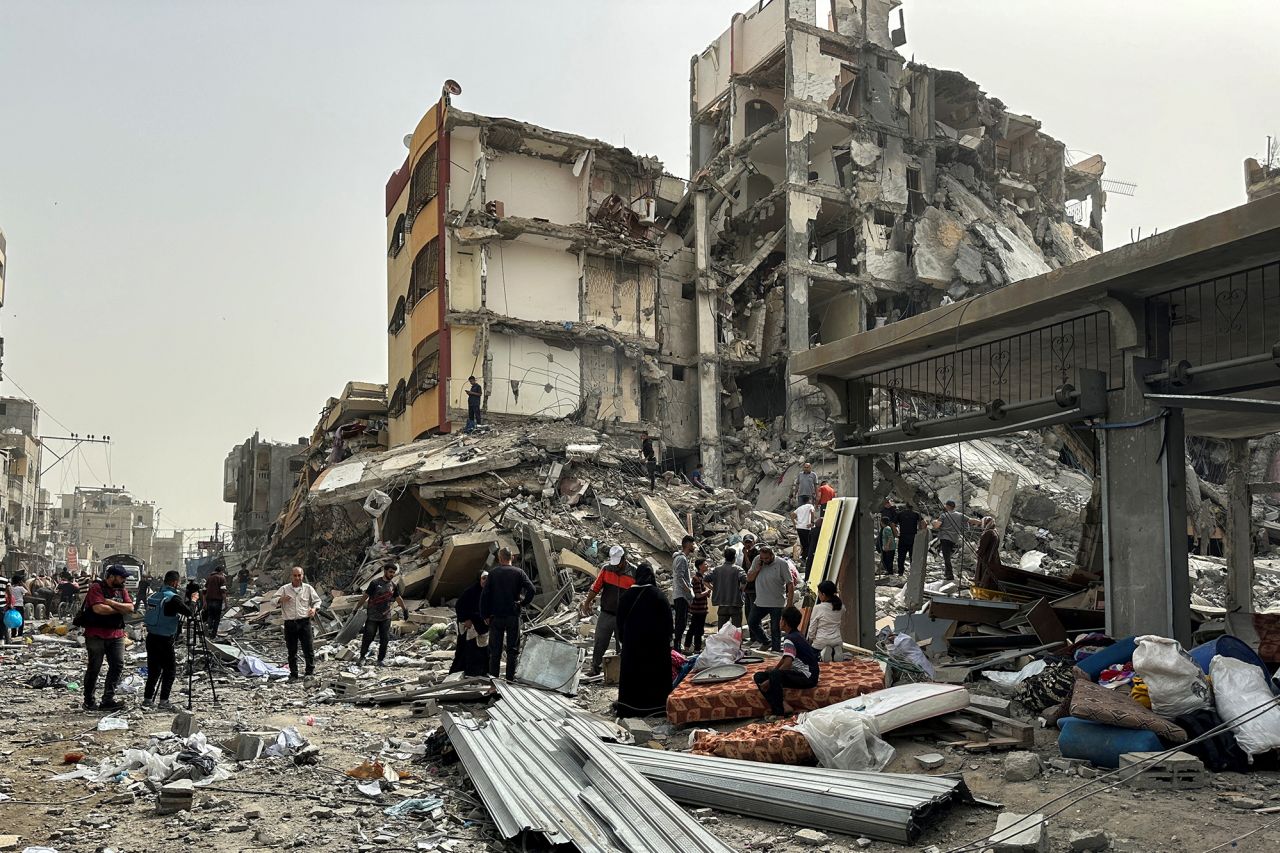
x=1243, y=361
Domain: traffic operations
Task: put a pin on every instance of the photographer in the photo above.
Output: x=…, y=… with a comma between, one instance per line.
x=164, y=612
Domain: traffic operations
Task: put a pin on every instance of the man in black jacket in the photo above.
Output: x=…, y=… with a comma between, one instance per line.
x=507, y=591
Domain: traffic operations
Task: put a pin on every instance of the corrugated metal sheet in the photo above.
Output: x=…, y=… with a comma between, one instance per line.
x=884, y=806
x=540, y=767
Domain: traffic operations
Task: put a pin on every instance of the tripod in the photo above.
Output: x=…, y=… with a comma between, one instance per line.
x=198, y=644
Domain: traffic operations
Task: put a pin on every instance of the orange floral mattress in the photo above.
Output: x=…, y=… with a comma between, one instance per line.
x=773, y=743
x=741, y=699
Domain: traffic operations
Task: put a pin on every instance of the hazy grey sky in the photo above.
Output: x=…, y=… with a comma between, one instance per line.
x=193, y=192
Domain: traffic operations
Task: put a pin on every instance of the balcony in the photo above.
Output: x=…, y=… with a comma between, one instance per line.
x=424, y=318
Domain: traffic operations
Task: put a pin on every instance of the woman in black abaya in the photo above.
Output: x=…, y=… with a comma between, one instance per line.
x=644, y=627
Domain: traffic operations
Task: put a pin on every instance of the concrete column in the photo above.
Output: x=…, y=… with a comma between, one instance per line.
x=708, y=360
x=1144, y=503
x=857, y=581
x=1239, y=544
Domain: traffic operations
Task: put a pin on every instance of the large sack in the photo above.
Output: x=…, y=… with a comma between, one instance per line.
x=1174, y=681
x=1240, y=689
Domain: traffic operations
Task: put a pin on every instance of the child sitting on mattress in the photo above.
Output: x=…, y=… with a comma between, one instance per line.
x=824, y=624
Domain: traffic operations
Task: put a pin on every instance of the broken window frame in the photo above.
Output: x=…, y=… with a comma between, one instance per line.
x=424, y=184
x=397, y=318
x=398, y=404
x=426, y=271
x=425, y=376
x=397, y=238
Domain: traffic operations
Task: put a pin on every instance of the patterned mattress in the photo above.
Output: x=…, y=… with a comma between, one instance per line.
x=741, y=699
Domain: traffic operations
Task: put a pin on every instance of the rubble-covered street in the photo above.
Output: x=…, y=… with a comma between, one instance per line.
x=807, y=464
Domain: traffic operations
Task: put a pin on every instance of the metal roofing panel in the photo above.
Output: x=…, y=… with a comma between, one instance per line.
x=540, y=766
x=885, y=806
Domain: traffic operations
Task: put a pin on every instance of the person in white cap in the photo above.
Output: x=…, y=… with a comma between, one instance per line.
x=614, y=576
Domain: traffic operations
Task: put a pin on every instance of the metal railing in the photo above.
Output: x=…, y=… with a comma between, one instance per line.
x=1222, y=319
x=1019, y=369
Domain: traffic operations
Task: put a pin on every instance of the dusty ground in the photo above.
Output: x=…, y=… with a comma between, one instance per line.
x=269, y=804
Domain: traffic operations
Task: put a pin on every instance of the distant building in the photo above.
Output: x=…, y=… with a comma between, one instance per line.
x=166, y=554
x=258, y=477
x=20, y=511
x=100, y=522
x=1260, y=180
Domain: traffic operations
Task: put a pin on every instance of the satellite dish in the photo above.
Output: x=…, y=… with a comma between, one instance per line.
x=451, y=87
x=408, y=140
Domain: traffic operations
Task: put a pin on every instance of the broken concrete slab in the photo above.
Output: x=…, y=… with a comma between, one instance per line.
x=666, y=522
x=463, y=558
x=548, y=575
x=578, y=564
x=1020, y=833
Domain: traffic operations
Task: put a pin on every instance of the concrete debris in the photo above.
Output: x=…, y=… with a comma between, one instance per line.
x=1021, y=766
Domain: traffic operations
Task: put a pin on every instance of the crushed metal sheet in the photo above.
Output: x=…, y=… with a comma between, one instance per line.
x=883, y=806
x=553, y=776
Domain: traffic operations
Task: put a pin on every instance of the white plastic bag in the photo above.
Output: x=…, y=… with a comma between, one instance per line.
x=844, y=739
x=1240, y=687
x=724, y=646
x=1174, y=681
x=1012, y=680
x=905, y=648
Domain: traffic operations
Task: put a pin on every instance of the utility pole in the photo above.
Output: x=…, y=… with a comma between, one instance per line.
x=76, y=440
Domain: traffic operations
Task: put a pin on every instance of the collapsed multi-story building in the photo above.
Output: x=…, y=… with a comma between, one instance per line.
x=834, y=187
x=531, y=259
x=847, y=188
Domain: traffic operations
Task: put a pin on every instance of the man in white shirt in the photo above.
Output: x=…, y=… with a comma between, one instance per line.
x=805, y=517
x=298, y=604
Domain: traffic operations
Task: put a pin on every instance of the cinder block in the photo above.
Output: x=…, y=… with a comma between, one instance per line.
x=249, y=746
x=1178, y=772
x=1029, y=837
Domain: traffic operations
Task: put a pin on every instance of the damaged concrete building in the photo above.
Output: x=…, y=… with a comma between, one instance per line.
x=258, y=476
x=838, y=187
x=532, y=259
x=835, y=187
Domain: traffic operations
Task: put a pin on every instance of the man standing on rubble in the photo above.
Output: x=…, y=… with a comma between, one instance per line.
x=681, y=590
x=298, y=602
x=105, y=606
x=749, y=553
x=613, y=577
x=215, y=597
x=650, y=458
x=474, y=395
x=804, y=517
x=950, y=526
x=379, y=595
x=806, y=484
x=727, y=582
x=775, y=589
x=507, y=591
x=909, y=524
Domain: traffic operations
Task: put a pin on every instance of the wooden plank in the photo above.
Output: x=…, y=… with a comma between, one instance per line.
x=1045, y=623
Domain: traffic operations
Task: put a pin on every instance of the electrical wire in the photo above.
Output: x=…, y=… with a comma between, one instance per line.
x=1232, y=842
x=1137, y=768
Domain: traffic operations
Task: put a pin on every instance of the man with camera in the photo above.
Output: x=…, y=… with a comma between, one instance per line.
x=105, y=606
x=164, y=613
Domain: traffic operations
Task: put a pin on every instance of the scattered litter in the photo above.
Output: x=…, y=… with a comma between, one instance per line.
x=113, y=724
